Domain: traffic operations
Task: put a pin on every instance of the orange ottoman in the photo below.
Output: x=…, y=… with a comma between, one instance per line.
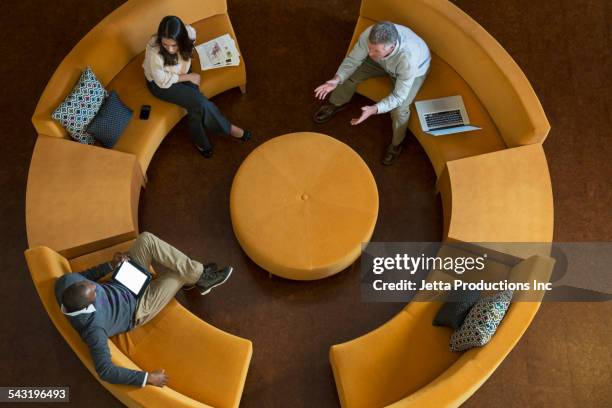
x=302, y=204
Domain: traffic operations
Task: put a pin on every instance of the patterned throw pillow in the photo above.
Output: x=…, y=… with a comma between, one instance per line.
x=80, y=106
x=111, y=120
x=481, y=322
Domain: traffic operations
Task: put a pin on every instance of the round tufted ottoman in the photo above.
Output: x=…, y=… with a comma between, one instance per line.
x=302, y=204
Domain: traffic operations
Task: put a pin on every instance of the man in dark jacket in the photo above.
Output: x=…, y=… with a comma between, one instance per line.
x=99, y=311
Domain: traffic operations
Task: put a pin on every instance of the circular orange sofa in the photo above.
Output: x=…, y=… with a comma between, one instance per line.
x=494, y=185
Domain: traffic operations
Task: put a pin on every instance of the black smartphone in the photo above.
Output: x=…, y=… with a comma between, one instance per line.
x=145, y=110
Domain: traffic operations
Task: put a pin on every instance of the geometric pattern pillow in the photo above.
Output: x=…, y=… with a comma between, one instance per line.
x=111, y=120
x=481, y=322
x=80, y=106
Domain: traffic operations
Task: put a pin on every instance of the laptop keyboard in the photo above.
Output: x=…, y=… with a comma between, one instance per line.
x=441, y=119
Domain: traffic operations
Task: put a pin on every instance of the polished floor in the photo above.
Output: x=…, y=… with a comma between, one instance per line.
x=291, y=46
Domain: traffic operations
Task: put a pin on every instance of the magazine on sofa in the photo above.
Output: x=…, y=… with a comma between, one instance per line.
x=217, y=53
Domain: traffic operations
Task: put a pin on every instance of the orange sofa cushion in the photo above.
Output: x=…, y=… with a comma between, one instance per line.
x=394, y=360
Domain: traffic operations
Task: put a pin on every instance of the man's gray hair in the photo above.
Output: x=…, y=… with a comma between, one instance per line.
x=383, y=32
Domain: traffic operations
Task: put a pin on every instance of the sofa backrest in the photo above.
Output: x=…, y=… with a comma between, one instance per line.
x=111, y=45
x=480, y=60
x=535, y=268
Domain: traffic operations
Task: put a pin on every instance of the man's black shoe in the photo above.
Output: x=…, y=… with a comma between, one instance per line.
x=246, y=136
x=326, y=111
x=210, y=280
x=210, y=267
x=391, y=154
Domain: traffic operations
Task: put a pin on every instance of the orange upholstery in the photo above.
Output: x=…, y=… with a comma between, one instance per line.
x=75, y=206
x=124, y=34
x=390, y=362
x=308, y=191
x=500, y=197
x=206, y=366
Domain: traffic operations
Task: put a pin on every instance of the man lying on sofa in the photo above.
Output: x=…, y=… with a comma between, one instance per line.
x=99, y=311
x=382, y=49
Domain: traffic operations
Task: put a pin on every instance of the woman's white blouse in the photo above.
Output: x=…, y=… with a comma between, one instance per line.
x=154, y=69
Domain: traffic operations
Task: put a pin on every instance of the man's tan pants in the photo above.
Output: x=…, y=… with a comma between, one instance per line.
x=162, y=289
x=369, y=69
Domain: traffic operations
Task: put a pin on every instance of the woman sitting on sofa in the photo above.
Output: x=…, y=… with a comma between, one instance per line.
x=167, y=68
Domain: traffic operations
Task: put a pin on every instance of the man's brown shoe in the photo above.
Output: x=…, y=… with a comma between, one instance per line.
x=391, y=154
x=326, y=111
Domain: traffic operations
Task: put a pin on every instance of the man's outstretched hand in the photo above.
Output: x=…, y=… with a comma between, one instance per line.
x=157, y=378
x=366, y=112
x=323, y=90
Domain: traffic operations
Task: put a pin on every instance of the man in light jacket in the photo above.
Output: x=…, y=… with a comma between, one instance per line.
x=382, y=49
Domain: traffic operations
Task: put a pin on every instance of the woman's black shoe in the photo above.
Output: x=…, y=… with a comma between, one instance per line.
x=246, y=136
x=207, y=153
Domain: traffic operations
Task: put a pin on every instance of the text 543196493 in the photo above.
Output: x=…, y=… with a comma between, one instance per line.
x=34, y=394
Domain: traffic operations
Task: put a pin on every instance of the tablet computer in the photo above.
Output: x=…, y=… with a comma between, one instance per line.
x=133, y=276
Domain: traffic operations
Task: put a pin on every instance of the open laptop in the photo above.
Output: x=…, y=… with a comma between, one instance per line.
x=443, y=116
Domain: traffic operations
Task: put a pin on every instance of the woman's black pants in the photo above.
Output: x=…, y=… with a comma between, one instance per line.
x=202, y=114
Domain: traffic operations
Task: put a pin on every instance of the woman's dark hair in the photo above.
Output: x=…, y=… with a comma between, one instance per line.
x=172, y=28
